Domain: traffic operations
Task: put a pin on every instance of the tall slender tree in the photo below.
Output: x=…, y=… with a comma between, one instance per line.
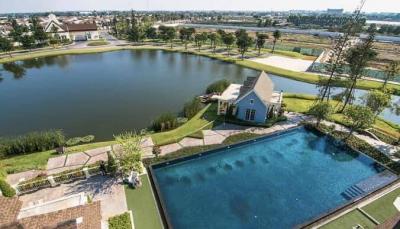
x=358, y=58
x=260, y=41
x=186, y=34
x=228, y=39
x=243, y=41
x=391, y=71
x=214, y=38
x=338, y=53
x=277, y=35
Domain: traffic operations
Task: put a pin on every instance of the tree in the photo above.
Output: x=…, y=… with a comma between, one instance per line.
x=228, y=39
x=167, y=34
x=377, y=101
x=38, y=32
x=243, y=41
x=6, y=45
x=131, y=155
x=391, y=71
x=185, y=34
x=358, y=58
x=321, y=110
x=27, y=42
x=151, y=33
x=358, y=117
x=214, y=37
x=199, y=39
x=260, y=41
x=134, y=33
x=277, y=35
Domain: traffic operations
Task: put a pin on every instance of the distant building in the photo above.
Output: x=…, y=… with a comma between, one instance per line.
x=71, y=31
x=335, y=11
x=253, y=101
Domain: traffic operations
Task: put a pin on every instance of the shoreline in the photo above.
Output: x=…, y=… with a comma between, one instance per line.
x=364, y=84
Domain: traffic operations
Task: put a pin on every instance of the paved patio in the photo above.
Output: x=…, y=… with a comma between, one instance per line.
x=108, y=190
x=80, y=159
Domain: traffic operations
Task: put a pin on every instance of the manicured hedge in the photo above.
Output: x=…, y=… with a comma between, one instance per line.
x=6, y=189
x=122, y=221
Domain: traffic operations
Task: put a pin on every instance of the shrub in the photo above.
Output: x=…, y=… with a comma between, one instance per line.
x=192, y=107
x=166, y=121
x=6, y=189
x=79, y=140
x=122, y=221
x=32, y=142
x=218, y=86
x=111, y=164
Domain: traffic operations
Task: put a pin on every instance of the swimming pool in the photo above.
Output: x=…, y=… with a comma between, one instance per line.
x=278, y=181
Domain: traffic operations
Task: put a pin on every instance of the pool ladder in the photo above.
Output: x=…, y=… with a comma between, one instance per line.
x=352, y=192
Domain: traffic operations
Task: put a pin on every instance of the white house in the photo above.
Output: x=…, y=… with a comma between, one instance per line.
x=71, y=31
x=253, y=101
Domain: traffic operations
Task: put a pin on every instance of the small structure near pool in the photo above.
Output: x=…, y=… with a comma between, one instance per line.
x=254, y=101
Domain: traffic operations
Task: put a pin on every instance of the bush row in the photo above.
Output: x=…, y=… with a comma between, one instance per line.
x=122, y=221
x=31, y=142
x=192, y=107
x=359, y=145
x=218, y=86
x=166, y=121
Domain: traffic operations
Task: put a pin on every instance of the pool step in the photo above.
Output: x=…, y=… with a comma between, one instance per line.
x=352, y=192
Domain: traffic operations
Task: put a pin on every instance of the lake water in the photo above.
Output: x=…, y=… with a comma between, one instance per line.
x=107, y=93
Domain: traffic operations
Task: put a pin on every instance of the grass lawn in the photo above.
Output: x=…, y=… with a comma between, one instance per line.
x=383, y=208
x=38, y=160
x=98, y=43
x=350, y=220
x=203, y=119
x=143, y=206
x=302, y=103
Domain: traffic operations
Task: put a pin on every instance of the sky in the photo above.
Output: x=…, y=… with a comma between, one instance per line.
x=16, y=6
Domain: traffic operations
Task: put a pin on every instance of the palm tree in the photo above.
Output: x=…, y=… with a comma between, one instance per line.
x=277, y=35
x=391, y=71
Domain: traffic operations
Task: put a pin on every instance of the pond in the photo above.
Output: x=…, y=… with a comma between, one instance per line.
x=108, y=93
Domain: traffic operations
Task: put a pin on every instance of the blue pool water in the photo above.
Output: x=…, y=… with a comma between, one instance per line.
x=276, y=182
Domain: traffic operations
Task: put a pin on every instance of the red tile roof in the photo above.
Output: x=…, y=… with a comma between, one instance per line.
x=62, y=219
x=79, y=27
x=9, y=210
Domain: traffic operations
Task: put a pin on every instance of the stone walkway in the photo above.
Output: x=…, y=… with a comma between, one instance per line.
x=218, y=134
x=80, y=159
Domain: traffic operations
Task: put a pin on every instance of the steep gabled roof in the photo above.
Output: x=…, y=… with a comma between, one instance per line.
x=262, y=85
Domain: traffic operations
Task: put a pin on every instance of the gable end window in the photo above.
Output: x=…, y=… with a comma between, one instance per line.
x=251, y=101
x=250, y=114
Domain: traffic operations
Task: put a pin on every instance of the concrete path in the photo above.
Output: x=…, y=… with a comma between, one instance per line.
x=219, y=133
x=108, y=190
x=76, y=160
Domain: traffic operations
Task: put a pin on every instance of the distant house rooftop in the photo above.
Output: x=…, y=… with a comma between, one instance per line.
x=70, y=27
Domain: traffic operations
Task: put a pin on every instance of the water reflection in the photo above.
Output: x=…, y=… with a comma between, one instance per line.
x=17, y=70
